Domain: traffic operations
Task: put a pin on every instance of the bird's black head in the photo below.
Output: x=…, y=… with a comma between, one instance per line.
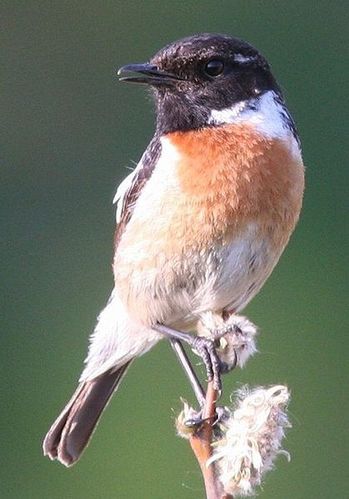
x=205, y=72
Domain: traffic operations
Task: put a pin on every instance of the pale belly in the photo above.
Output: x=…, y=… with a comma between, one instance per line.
x=246, y=263
x=178, y=290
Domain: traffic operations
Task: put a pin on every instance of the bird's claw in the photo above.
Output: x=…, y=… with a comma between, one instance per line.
x=205, y=348
x=196, y=420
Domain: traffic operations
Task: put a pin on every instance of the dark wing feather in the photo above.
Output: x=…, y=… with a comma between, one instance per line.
x=141, y=175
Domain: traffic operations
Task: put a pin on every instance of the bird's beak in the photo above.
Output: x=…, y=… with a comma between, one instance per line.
x=147, y=74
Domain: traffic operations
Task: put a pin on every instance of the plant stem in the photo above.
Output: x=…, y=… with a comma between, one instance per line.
x=201, y=443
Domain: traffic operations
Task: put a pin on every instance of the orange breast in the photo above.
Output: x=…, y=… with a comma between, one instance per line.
x=232, y=175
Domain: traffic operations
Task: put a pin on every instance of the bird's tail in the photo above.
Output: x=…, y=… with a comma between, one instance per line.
x=114, y=343
x=72, y=430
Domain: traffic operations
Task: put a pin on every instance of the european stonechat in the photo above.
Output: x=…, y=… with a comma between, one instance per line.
x=201, y=221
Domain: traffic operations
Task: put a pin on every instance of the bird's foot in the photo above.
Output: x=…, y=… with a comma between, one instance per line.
x=196, y=419
x=234, y=338
x=204, y=347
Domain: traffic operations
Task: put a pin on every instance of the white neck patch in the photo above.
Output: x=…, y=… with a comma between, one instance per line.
x=266, y=115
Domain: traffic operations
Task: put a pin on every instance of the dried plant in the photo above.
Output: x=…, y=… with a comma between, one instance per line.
x=235, y=446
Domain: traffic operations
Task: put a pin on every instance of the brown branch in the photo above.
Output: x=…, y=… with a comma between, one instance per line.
x=201, y=444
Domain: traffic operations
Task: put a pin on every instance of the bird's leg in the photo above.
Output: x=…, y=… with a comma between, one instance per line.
x=204, y=347
x=189, y=371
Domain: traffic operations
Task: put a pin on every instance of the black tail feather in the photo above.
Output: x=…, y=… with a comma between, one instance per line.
x=72, y=430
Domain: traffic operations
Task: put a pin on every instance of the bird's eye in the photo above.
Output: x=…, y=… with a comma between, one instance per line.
x=214, y=67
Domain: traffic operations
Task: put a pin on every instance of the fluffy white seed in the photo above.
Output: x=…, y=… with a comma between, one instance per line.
x=252, y=437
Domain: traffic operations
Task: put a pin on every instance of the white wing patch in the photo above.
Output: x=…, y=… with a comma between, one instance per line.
x=121, y=193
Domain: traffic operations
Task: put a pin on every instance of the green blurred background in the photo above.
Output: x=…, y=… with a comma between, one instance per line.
x=69, y=132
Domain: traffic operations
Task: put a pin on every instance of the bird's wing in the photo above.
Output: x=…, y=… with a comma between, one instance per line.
x=131, y=187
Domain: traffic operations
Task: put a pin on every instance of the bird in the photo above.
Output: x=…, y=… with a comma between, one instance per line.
x=202, y=220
